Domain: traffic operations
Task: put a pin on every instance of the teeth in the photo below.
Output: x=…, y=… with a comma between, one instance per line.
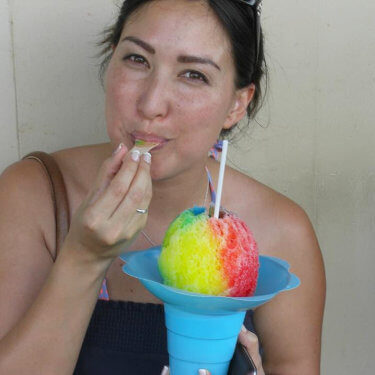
x=144, y=146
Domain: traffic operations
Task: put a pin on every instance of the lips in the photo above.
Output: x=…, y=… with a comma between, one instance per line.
x=148, y=137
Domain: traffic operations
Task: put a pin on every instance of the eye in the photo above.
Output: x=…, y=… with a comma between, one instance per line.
x=194, y=75
x=136, y=59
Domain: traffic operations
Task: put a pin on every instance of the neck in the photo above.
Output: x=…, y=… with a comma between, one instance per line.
x=172, y=196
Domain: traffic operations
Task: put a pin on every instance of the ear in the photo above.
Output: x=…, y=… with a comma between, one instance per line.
x=242, y=99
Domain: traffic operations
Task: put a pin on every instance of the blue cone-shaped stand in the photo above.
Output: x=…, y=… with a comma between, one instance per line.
x=202, y=330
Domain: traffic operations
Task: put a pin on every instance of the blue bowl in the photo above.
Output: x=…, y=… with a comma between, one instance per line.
x=202, y=330
x=274, y=277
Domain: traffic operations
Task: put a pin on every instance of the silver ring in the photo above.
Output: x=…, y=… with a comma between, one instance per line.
x=142, y=210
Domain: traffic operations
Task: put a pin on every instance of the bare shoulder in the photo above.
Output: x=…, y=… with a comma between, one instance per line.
x=82, y=156
x=74, y=161
x=25, y=193
x=281, y=227
x=25, y=201
x=24, y=183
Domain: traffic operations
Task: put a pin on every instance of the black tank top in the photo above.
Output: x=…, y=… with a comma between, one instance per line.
x=127, y=338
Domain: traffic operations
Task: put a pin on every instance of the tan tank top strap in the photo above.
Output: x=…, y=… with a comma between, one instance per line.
x=58, y=194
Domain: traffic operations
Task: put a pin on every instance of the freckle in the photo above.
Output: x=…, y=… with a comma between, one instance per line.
x=131, y=290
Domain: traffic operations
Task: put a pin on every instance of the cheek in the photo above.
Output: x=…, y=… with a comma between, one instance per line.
x=209, y=105
x=202, y=116
x=118, y=95
x=119, y=103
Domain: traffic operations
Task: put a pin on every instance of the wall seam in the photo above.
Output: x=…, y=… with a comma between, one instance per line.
x=316, y=119
x=11, y=22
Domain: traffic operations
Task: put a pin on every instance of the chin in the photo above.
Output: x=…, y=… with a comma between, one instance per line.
x=163, y=170
x=159, y=174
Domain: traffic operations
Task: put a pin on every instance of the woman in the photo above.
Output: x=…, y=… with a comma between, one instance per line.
x=179, y=73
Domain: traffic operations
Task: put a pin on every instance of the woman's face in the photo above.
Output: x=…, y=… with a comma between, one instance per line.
x=171, y=79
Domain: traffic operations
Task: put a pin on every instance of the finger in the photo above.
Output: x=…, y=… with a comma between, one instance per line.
x=139, y=193
x=118, y=187
x=251, y=343
x=126, y=218
x=106, y=173
x=125, y=222
x=200, y=372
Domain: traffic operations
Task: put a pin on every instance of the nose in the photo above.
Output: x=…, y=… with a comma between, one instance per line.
x=153, y=100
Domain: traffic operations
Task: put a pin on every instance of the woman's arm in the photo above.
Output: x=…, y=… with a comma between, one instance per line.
x=46, y=306
x=47, y=337
x=289, y=326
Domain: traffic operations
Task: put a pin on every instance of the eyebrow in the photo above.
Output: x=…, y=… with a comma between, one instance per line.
x=196, y=59
x=181, y=58
x=139, y=42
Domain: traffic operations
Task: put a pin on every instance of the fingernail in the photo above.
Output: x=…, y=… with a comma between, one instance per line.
x=118, y=149
x=243, y=328
x=147, y=157
x=165, y=371
x=135, y=155
x=202, y=372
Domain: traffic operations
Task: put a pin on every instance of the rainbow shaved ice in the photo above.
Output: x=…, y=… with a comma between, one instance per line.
x=202, y=254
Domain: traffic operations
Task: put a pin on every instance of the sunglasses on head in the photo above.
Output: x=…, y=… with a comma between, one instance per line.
x=256, y=6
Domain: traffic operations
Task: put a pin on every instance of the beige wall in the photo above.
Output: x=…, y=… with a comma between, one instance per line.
x=8, y=119
x=318, y=147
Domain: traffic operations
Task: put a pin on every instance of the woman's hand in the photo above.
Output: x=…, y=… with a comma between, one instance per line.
x=200, y=372
x=107, y=222
x=251, y=343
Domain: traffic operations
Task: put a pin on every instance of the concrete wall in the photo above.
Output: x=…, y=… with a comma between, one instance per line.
x=316, y=143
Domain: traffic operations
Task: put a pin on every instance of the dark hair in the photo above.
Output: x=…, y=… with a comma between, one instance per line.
x=237, y=19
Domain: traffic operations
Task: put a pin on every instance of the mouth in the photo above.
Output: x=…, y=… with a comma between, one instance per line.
x=158, y=147
x=149, y=141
